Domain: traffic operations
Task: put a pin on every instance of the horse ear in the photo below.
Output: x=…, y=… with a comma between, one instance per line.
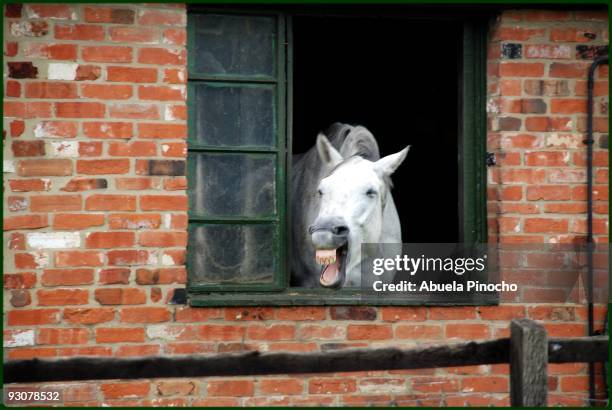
x=387, y=165
x=328, y=154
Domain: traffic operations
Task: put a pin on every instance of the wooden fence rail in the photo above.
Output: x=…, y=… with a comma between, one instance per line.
x=527, y=350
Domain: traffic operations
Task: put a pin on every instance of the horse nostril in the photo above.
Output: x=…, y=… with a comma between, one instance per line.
x=341, y=230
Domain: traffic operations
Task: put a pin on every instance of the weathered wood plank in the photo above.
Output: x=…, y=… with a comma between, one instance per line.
x=491, y=352
x=578, y=350
x=254, y=363
x=528, y=364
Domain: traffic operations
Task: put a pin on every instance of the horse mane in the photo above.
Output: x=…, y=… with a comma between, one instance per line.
x=354, y=142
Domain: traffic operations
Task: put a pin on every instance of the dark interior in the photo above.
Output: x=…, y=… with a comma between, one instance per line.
x=400, y=79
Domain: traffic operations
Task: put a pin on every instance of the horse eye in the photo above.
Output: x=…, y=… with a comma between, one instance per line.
x=371, y=193
x=320, y=192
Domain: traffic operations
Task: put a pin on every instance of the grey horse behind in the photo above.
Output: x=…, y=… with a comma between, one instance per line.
x=320, y=231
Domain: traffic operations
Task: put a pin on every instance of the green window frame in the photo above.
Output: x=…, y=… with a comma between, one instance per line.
x=277, y=291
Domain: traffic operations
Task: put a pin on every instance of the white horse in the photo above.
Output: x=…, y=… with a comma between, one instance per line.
x=341, y=199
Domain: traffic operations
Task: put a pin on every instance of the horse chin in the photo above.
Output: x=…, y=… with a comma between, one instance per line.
x=333, y=274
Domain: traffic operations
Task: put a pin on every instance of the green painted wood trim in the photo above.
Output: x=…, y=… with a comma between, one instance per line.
x=280, y=151
x=472, y=145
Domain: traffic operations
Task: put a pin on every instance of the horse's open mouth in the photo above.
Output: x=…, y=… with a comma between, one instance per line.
x=333, y=263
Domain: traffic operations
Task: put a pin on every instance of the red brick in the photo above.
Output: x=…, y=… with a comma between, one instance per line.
x=80, y=109
x=120, y=296
x=174, y=149
x=13, y=89
x=188, y=314
x=60, y=297
x=176, y=112
x=28, y=148
x=485, y=384
x=33, y=317
x=88, y=72
x=132, y=149
x=220, y=332
x=565, y=208
x=90, y=149
x=395, y=314
x=133, y=35
x=78, y=258
x=568, y=106
x=49, y=51
x=12, y=47
x=161, y=276
x=54, y=203
x=44, y=167
x=547, y=158
x=137, y=350
x=31, y=353
x=51, y=11
x=106, y=92
x=175, y=36
x=175, y=184
x=369, y=332
x=108, y=240
x=107, y=54
x=545, y=225
x=114, y=15
x=17, y=128
x=21, y=280
x=77, y=221
x=331, y=385
x=452, y=313
x=103, y=166
x=548, y=124
x=17, y=241
x=435, y=384
x=20, y=298
x=163, y=239
x=28, y=261
x=546, y=15
x=18, y=203
x=56, y=129
x=569, y=70
x=108, y=129
x=518, y=33
x=134, y=111
x=572, y=34
x=178, y=221
x=88, y=316
x=128, y=257
x=114, y=276
x=548, y=193
x=162, y=56
x=521, y=69
x=277, y=387
x=131, y=74
x=467, y=331
x=161, y=93
x=101, y=202
x=133, y=221
x=33, y=221
x=161, y=18
x=144, y=315
x=36, y=109
x=163, y=202
x=79, y=32
x=232, y=387
x=125, y=390
x=85, y=184
x=67, y=277
x=62, y=336
x=418, y=332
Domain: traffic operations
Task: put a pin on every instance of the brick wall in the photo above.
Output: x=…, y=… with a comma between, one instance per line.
x=94, y=202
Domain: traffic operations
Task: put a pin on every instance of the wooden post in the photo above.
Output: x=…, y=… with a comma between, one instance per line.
x=528, y=364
